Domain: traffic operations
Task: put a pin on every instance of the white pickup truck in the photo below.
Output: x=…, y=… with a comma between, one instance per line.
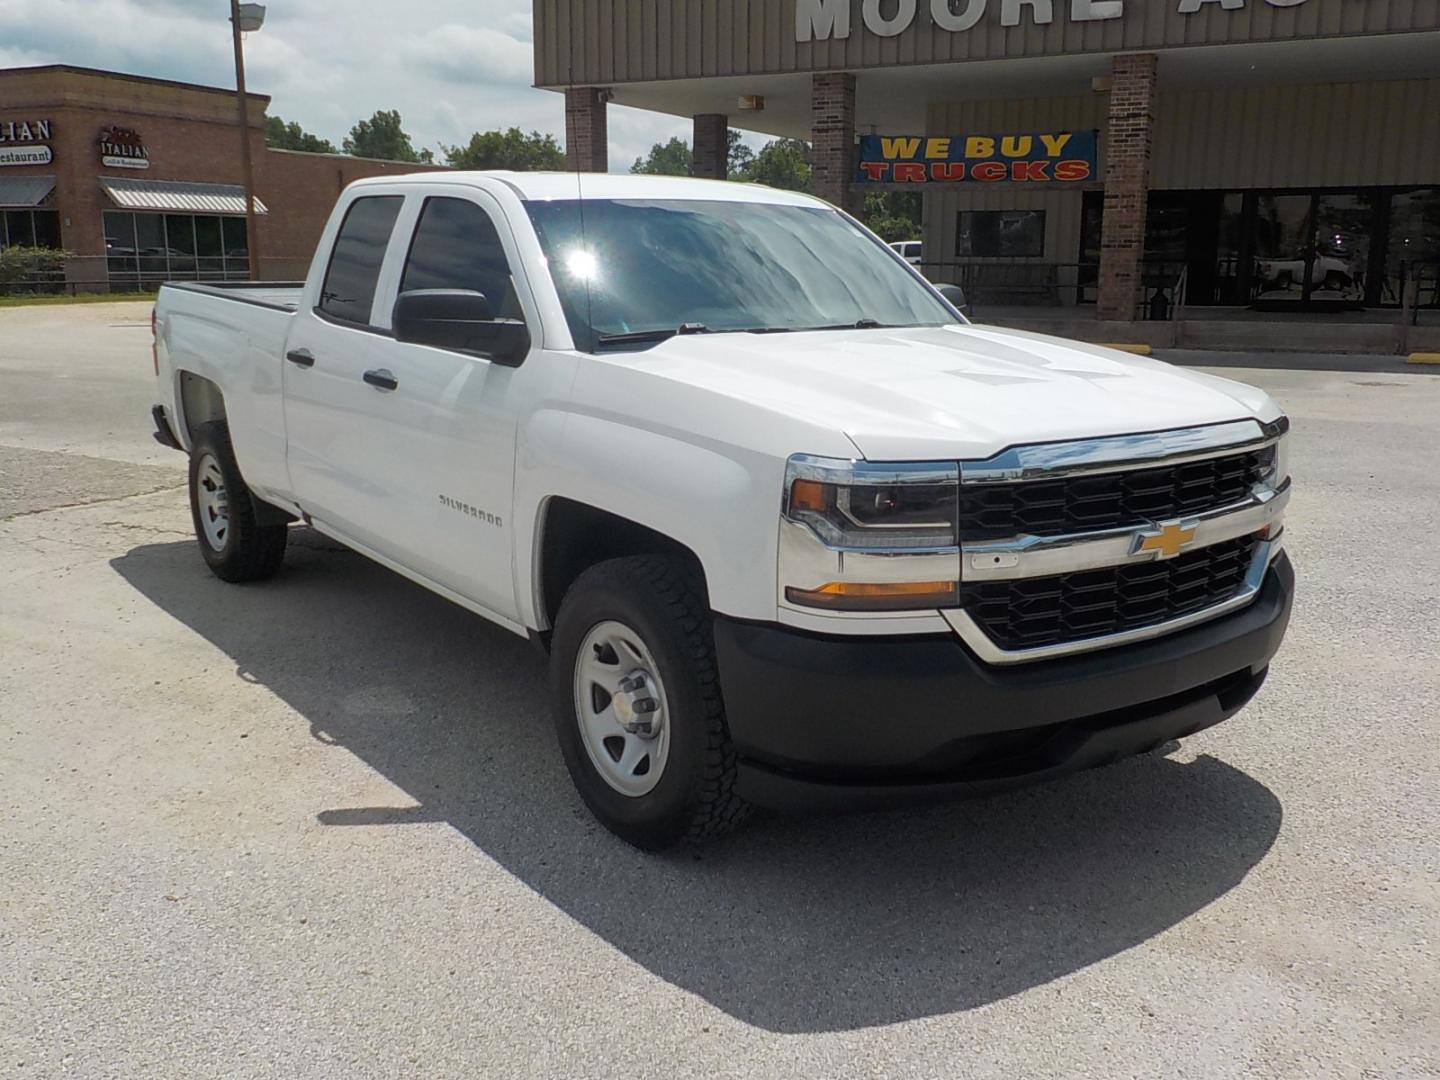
x=793, y=531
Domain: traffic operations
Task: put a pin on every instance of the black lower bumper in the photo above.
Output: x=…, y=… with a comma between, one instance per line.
x=844, y=722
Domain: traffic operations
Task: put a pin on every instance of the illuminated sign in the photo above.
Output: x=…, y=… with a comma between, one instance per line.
x=819, y=20
x=1060, y=157
x=121, y=148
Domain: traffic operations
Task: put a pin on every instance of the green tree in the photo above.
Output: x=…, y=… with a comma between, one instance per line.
x=666, y=159
x=739, y=156
x=783, y=163
x=893, y=215
x=383, y=137
x=512, y=149
x=292, y=136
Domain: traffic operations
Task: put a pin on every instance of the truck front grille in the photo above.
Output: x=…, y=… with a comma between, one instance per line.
x=1029, y=613
x=1108, y=500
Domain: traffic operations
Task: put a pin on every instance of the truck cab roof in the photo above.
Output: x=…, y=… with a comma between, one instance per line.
x=569, y=185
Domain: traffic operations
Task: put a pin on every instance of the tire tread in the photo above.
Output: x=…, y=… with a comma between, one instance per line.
x=258, y=550
x=676, y=585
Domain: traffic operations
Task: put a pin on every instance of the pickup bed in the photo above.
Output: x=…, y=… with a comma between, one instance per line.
x=793, y=531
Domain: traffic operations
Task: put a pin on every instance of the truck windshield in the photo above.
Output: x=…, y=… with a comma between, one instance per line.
x=640, y=270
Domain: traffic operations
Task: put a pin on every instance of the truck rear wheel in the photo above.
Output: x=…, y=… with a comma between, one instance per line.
x=233, y=545
x=638, y=710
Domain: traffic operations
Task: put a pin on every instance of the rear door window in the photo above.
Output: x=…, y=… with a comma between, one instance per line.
x=349, y=290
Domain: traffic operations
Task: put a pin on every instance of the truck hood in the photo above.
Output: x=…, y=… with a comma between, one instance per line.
x=952, y=392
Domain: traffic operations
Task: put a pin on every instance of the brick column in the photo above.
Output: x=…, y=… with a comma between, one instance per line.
x=587, y=135
x=1127, y=184
x=712, y=146
x=832, y=138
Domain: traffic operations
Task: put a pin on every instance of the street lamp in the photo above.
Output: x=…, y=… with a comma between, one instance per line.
x=245, y=19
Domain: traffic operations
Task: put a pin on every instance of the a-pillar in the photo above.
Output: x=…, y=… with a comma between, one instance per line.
x=587, y=135
x=1127, y=185
x=832, y=138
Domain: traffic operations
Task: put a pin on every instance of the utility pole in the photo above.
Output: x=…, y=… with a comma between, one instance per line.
x=247, y=164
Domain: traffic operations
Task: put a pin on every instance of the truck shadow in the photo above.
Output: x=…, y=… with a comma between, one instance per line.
x=794, y=925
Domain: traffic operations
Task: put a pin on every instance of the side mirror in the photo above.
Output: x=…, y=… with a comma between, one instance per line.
x=956, y=295
x=460, y=320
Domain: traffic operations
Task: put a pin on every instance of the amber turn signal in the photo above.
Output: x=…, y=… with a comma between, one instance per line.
x=877, y=596
x=808, y=495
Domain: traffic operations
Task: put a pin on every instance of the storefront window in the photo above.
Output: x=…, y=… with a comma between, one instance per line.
x=150, y=246
x=236, y=246
x=209, y=248
x=1343, y=225
x=1004, y=234
x=147, y=249
x=1413, y=250
x=1228, y=249
x=30, y=228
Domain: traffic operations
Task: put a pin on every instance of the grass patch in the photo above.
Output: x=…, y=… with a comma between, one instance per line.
x=28, y=300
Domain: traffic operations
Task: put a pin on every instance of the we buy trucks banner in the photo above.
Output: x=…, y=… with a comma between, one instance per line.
x=1057, y=157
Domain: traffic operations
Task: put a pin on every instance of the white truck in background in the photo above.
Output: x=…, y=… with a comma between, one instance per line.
x=793, y=531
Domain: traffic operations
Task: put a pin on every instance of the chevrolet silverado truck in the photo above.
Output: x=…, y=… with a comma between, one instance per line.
x=793, y=532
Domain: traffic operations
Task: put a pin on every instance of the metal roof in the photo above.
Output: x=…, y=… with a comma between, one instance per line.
x=179, y=197
x=25, y=190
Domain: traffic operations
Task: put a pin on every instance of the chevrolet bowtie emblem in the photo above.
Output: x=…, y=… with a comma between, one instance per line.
x=1165, y=541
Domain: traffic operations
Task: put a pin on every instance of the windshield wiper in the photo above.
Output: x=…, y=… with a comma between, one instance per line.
x=640, y=337
x=858, y=324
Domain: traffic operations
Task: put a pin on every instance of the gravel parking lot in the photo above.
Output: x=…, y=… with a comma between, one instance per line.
x=318, y=827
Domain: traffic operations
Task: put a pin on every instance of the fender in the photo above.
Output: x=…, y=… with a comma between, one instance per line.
x=707, y=497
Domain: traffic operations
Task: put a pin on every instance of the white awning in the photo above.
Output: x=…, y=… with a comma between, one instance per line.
x=28, y=190
x=174, y=197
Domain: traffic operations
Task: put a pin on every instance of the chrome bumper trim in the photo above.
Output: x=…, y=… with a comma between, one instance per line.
x=1045, y=556
x=1121, y=453
x=980, y=643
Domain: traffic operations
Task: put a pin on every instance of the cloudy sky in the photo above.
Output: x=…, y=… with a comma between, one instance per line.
x=450, y=66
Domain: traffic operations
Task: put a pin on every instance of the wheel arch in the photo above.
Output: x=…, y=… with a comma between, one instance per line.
x=571, y=536
x=201, y=402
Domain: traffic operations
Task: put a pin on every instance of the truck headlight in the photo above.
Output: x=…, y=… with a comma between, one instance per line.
x=884, y=537
x=1278, y=472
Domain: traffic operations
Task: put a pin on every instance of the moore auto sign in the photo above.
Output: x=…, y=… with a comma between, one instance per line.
x=821, y=19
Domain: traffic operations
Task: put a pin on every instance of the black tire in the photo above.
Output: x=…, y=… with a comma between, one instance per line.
x=247, y=551
x=662, y=599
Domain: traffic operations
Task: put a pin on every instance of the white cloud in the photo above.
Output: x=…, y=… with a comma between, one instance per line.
x=472, y=54
x=451, y=67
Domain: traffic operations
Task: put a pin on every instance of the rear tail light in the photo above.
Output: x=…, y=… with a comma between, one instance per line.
x=155, y=342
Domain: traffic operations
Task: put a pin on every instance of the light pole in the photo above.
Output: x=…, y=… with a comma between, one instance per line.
x=245, y=18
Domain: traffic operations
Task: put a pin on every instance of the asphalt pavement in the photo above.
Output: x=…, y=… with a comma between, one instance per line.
x=319, y=827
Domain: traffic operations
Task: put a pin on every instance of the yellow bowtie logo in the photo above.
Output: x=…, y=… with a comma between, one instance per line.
x=1166, y=542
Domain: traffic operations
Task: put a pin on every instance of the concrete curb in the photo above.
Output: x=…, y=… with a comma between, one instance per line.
x=1423, y=358
x=1138, y=350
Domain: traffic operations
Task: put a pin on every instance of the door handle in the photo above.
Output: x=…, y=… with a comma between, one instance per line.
x=300, y=357
x=381, y=379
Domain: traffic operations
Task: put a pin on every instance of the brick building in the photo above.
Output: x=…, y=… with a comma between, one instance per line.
x=1112, y=157
x=140, y=179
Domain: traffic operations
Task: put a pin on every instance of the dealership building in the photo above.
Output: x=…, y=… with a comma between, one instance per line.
x=139, y=180
x=1113, y=159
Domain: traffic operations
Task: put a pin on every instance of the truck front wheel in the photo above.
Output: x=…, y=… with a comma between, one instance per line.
x=233, y=545
x=638, y=711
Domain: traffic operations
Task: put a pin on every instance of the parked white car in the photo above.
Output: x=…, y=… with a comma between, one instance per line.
x=793, y=531
x=912, y=251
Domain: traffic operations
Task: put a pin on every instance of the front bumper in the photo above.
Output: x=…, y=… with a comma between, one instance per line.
x=843, y=722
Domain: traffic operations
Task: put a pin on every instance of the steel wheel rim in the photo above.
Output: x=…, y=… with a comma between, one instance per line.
x=211, y=503
x=621, y=709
